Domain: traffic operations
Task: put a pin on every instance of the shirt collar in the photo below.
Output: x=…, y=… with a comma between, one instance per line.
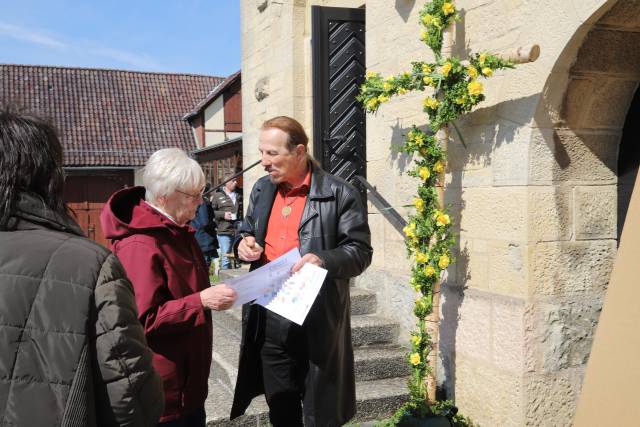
x=299, y=190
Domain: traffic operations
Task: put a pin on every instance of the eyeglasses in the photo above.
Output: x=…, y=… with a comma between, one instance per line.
x=195, y=196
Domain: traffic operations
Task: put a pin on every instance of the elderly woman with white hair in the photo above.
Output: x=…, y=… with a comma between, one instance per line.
x=149, y=231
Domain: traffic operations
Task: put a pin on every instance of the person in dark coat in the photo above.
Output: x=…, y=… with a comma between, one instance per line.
x=149, y=231
x=306, y=372
x=226, y=203
x=73, y=352
x=205, y=228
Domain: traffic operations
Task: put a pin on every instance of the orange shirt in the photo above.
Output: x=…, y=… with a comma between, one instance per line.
x=284, y=220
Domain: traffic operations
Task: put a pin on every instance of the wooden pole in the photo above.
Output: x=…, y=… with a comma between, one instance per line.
x=433, y=322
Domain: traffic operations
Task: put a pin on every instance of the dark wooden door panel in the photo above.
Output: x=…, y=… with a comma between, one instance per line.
x=338, y=46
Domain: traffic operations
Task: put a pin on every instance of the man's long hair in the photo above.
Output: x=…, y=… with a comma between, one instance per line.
x=30, y=162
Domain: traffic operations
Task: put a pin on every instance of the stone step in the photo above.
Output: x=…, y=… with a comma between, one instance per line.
x=376, y=399
x=371, y=362
x=366, y=329
x=363, y=301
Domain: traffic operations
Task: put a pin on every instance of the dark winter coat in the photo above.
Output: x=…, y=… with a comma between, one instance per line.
x=167, y=270
x=334, y=227
x=73, y=352
x=221, y=203
x=205, y=228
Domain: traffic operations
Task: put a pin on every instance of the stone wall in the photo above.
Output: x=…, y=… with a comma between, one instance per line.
x=533, y=193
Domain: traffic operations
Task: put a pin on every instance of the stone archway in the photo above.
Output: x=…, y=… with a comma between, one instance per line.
x=575, y=155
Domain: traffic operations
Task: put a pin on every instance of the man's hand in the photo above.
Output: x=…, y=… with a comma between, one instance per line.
x=228, y=216
x=218, y=297
x=248, y=249
x=308, y=258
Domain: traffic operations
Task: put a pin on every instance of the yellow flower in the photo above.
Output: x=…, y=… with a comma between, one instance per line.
x=427, y=19
x=438, y=167
x=414, y=359
x=429, y=270
x=371, y=74
x=410, y=230
x=482, y=58
x=487, y=71
x=402, y=91
x=387, y=86
x=424, y=173
x=475, y=88
x=431, y=103
x=427, y=80
x=442, y=219
x=419, y=140
x=373, y=103
x=426, y=69
x=446, y=68
x=405, y=75
x=443, y=262
x=383, y=98
x=416, y=340
x=421, y=257
x=424, y=35
x=436, y=22
x=471, y=70
x=448, y=9
x=460, y=100
x=419, y=203
x=412, y=135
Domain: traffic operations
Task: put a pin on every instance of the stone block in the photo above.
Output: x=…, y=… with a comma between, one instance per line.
x=563, y=155
x=490, y=213
x=487, y=394
x=473, y=333
x=571, y=268
x=472, y=267
x=508, y=334
x=507, y=268
x=564, y=331
x=624, y=14
x=579, y=90
x=550, y=213
x=597, y=102
x=596, y=212
x=610, y=52
x=510, y=154
x=551, y=399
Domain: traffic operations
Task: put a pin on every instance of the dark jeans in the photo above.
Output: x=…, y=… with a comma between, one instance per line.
x=284, y=367
x=198, y=418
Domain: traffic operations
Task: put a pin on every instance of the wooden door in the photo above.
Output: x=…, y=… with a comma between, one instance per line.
x=87, y=194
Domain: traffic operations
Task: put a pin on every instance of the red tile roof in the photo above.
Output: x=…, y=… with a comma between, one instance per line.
x=109, y=117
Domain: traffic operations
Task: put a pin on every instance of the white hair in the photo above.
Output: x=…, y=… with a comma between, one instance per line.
x=168, y=170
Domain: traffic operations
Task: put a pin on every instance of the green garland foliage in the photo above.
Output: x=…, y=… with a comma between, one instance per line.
x=455, y=88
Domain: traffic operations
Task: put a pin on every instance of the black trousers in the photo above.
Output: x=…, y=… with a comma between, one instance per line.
x=284, y=368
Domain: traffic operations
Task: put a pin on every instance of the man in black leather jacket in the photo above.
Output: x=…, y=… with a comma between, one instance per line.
x=300, y=205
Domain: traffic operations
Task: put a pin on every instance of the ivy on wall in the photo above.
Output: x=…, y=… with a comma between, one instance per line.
x=455, y=87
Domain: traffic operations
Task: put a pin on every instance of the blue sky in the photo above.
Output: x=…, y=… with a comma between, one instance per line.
x=184, y=36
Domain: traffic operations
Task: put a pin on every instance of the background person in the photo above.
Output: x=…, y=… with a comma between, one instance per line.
x=205, y=227
x=227, y=208
x=73, y=351
x=300, y=205
x=149, y=230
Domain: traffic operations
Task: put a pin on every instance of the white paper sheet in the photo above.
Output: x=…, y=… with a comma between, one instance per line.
x=294, y=298
x=263, y=280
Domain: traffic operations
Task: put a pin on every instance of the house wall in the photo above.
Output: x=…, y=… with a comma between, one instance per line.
x=522, y=192
x=214, y=122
